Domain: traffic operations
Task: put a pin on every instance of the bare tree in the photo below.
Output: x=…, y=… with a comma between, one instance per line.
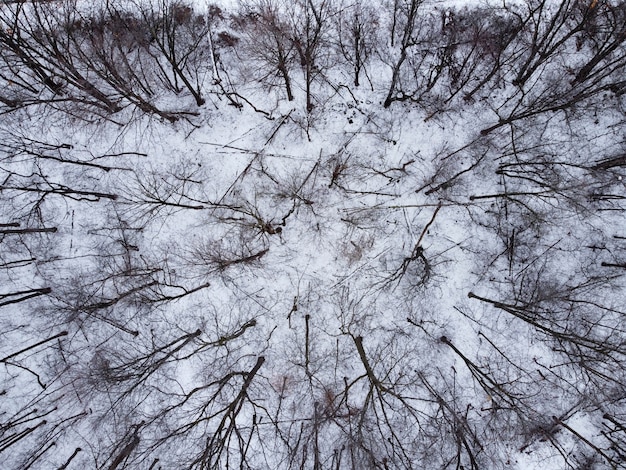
x=407, y=29
x=179, y=36
x=356, y=25
x=268, y=40
x=310, y=28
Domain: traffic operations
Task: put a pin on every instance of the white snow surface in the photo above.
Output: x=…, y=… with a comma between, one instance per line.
x=281, y=288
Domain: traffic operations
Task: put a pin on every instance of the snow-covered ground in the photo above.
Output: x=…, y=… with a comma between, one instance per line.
x=234, y=280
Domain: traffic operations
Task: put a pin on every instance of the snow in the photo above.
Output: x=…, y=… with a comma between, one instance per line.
x=291, y=289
